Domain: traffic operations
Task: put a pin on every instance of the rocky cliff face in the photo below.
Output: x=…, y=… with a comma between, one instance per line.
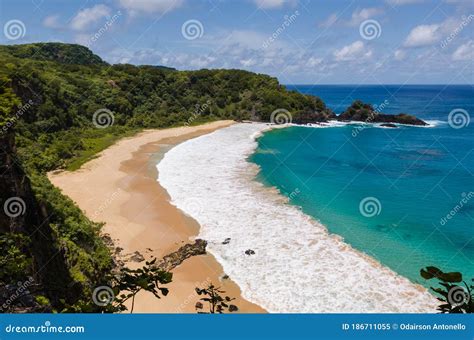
x=21, y=213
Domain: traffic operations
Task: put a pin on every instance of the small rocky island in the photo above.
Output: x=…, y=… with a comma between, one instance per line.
x=357, y=112
x=361, y=112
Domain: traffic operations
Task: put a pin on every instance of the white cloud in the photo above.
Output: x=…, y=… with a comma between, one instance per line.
x=356, y=50
x=458, y=1
x=270, y=4
x=248, y=62
x=423, y=35
x=313, y=61
x=51, y=21
x=331, y=20
x=464, y=52
x=231, y=49
x=399, y=54
x=403, y=2
x=150, y=6
x=365, y=13
x=88, y=16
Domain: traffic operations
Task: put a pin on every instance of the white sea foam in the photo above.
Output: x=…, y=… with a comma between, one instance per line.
x=297, y=266
x=328, y=124
x=336, y=123
x=435, y=123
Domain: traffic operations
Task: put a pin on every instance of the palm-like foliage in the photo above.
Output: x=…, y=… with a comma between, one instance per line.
x=455, y=293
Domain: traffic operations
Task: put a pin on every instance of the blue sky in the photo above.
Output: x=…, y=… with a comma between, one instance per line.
x=298, y=41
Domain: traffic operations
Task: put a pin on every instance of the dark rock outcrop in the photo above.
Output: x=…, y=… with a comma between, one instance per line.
x=174, y=259
x=137, y=257
x=313, y=117
x=361, y=112
x=358, y=112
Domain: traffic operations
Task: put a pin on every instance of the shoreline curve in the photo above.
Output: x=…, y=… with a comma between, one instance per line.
x=342, y=280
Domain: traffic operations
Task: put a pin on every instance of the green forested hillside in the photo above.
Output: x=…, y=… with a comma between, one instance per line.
x=67, y=85
x=52, y=101
x=62, y=53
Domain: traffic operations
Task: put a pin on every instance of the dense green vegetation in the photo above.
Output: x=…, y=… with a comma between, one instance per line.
x=67, y=84
x=53, y=99
x=62, y=53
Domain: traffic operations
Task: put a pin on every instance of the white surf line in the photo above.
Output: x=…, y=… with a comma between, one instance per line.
x=298, y=266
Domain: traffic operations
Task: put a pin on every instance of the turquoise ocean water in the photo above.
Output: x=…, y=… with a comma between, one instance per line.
x=412, y=177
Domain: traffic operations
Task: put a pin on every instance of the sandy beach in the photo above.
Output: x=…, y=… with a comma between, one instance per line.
x=120, y=188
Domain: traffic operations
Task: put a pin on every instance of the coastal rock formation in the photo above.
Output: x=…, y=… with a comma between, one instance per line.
x=362, y=112
x=174, y=259
x=137, y=257
x=305, y=117
x=358, y=111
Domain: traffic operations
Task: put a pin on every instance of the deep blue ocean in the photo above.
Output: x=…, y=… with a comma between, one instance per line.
x=387, y=192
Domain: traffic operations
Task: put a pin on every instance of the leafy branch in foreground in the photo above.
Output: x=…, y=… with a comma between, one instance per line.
x=131, y=281
x=123, y=286
x=456, y=298
x=217, y=303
